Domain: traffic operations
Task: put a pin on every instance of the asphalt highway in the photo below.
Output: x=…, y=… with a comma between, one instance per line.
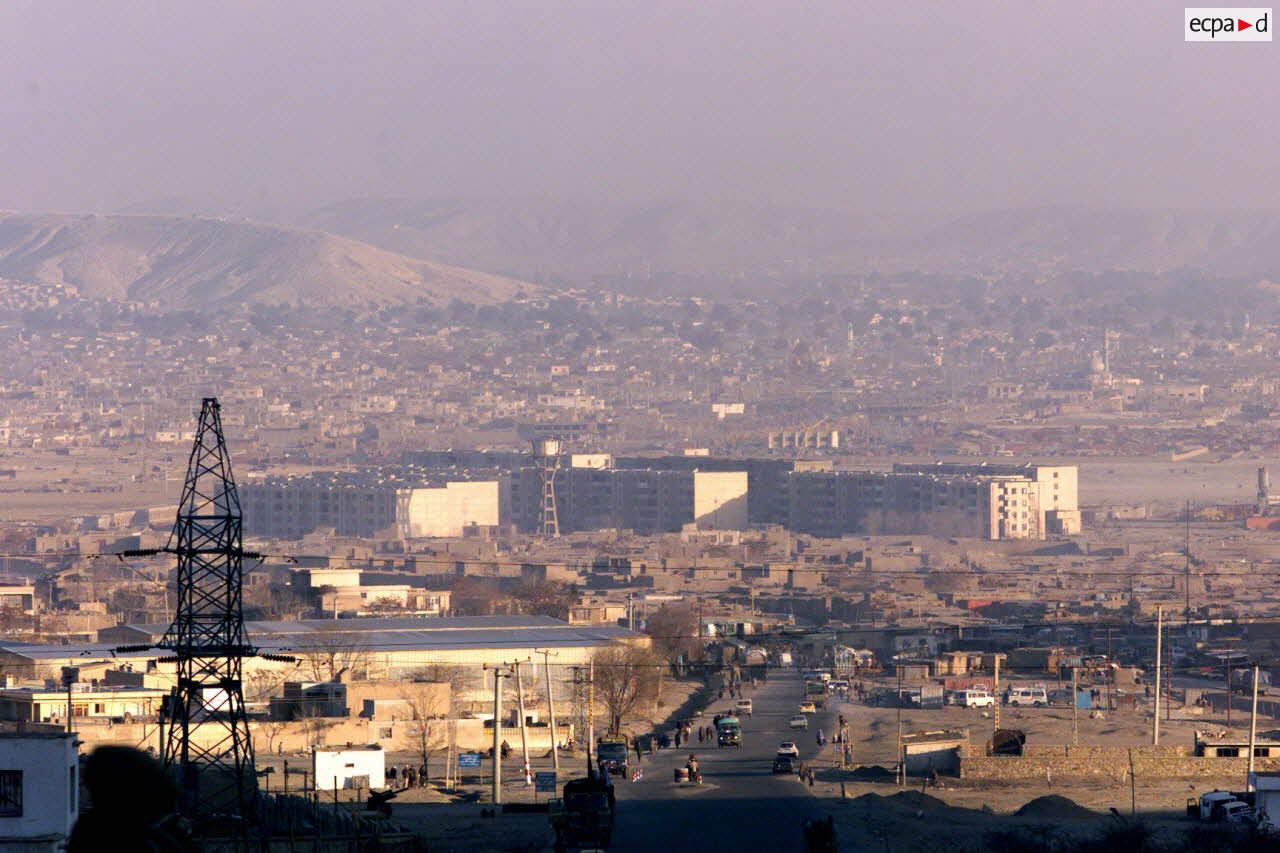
x=741, y=805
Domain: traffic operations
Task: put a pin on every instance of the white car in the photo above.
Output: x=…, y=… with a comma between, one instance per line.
x=799, y=721
x=788, y=748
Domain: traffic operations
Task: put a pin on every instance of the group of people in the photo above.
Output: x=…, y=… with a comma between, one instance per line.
x=406, y=777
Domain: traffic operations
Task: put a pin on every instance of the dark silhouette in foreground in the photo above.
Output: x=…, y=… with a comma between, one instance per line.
x=134, y=806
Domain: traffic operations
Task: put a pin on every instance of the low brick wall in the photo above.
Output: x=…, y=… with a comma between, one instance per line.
x=1105, y=764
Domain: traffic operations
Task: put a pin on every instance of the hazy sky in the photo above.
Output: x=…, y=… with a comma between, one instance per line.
x=956, y=105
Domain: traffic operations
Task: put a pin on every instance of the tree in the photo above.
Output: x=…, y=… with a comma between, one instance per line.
x=272, y=729
x=546, y=598
x=623, y=676
x=673, y=633
x=330, y=653
x=674, y=636
x=386, y=604
x=432, y=716
x=475, y=596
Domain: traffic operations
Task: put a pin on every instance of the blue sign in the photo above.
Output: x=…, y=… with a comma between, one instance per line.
x=468, y=759
x=544, y=782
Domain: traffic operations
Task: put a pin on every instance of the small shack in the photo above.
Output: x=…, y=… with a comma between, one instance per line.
x=924, y=753
x=347, y=767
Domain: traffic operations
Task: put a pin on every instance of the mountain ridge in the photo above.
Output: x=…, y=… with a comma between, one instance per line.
x=193, y=262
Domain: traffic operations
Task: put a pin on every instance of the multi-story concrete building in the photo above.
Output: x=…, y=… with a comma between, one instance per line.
x=1057, y=486
x=641, y=499
x=834, y=503
x=368, y=504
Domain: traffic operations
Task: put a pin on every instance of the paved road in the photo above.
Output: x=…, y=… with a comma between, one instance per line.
x=741, y=805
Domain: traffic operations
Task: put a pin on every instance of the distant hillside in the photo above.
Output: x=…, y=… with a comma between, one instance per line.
x=192, y=262
x=574, y=242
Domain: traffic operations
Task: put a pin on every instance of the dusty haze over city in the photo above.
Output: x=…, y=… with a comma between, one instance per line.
x=883, y=394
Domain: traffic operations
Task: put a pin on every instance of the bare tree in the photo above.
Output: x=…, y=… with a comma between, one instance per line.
x=429, y=711
x=546, y=598
x=272, y=729
x=624, y=676
x=674, y=636
x=330, y=653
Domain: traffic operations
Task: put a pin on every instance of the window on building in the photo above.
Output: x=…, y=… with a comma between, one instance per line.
x=1228, y=752
x=385, y=733
x=10, y=793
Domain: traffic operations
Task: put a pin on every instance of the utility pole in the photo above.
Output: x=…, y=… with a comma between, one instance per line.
x=1110, y=670
x=551, y=711
x=902, y=770
x=1186, y=581
x=995, y=716
x=1155, y=718
x=1229, y=691
x=591, y=709
x=1253, y=726
x=498, y=675
x=524, y=735
x=1075, y=706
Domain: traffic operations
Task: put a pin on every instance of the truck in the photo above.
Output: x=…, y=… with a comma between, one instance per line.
x=784, y=659
x=815, y=691
x=611, y=753
x=1242, y=681
x=728, y=732
x=583, y=817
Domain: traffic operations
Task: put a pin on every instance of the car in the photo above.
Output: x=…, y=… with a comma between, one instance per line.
x=788, y=748
x=808, y=708
x=784, y=764
x=799, y=721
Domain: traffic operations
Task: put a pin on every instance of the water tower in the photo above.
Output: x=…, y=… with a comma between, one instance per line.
x=546, y=456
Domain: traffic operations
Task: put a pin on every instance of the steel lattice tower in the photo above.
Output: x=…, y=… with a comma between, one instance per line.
x=546, y=455
x=208, y=740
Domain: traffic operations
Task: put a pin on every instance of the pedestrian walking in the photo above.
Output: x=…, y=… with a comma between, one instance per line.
x=391, y=776
x=637, y=745
x=677, y=738
x=411, y=778
x=702, y=735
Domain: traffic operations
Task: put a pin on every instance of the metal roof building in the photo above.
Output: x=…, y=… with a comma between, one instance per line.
x=382, y=647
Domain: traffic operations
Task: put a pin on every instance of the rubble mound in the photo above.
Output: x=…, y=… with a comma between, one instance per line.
x=872, y=773
x=1055, y=807
x=917, y=801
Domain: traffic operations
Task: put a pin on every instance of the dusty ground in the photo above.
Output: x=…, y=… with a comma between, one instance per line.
x=873, y=730
x=882, y=816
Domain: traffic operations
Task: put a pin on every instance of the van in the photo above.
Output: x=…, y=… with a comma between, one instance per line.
x=1036, y=696
x=743, y=706
x=975, y=698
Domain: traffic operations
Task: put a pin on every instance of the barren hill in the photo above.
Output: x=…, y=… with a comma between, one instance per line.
x=179, y=262
x=577, y=241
